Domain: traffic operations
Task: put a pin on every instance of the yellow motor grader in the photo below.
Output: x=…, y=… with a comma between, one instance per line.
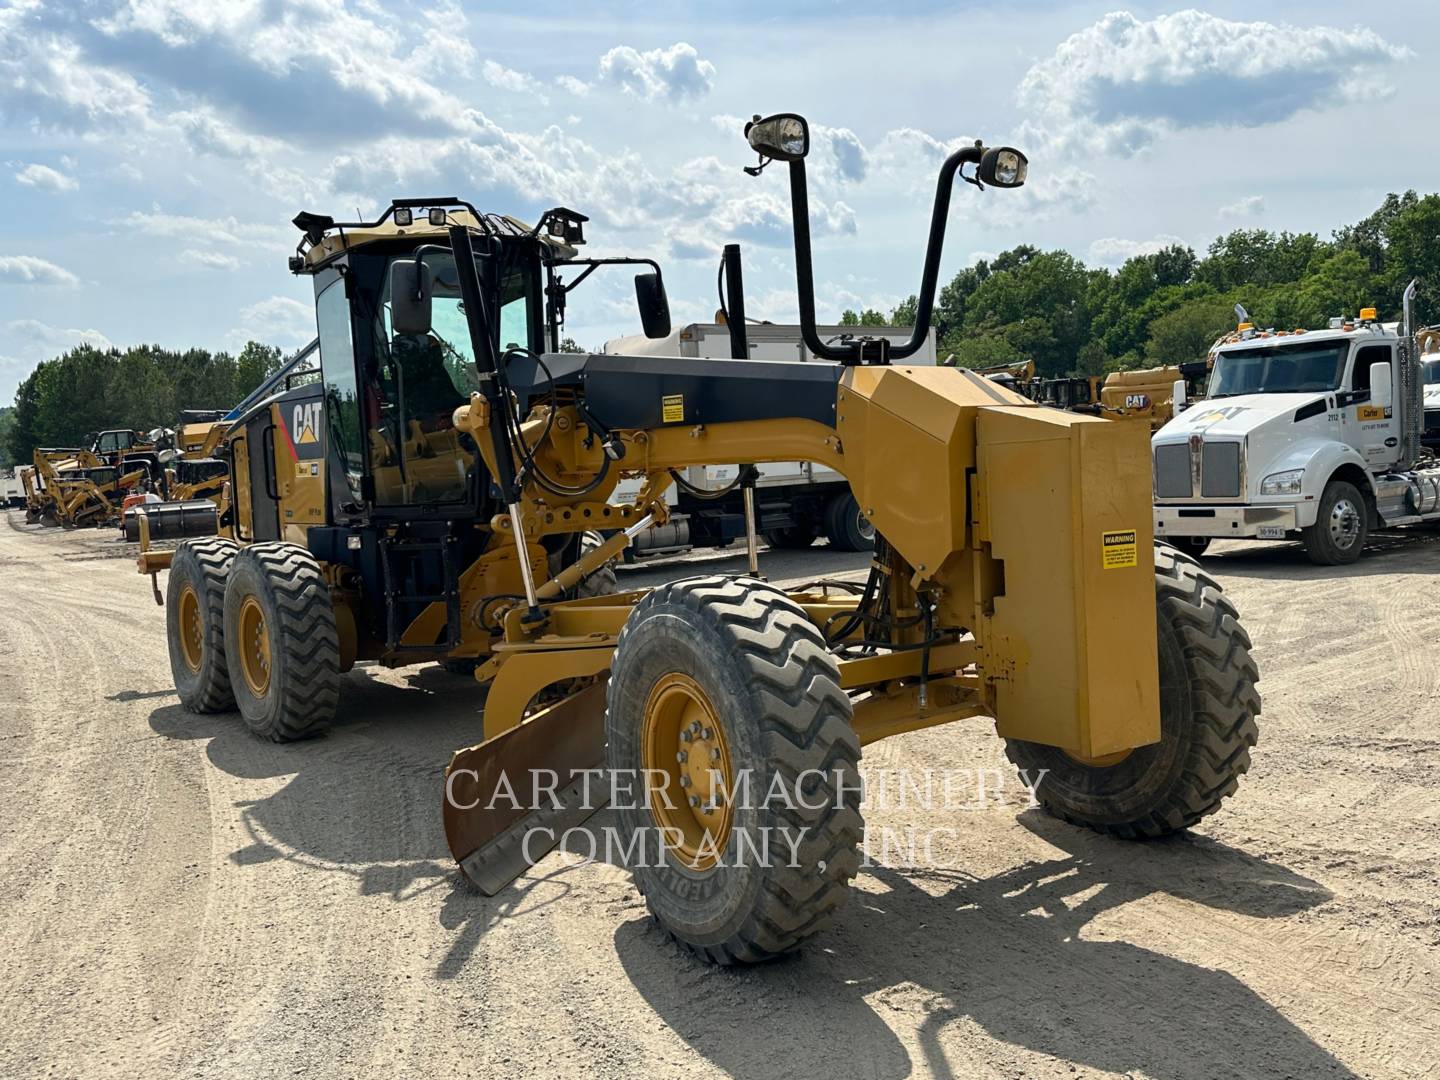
x=424, y=502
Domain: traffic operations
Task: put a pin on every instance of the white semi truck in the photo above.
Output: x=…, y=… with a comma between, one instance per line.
x=795, y=502
x=1316, y=435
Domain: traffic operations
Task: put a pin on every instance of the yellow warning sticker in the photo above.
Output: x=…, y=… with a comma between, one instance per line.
x=1118, y=550
x=672, y=409
x=1370, y=412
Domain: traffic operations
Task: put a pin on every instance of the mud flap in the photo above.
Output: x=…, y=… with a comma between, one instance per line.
x=508, y=801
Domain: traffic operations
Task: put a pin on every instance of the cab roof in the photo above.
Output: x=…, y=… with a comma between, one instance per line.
x=326, y=238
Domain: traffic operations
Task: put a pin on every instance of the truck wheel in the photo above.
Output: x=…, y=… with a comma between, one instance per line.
x=1208, y=706
x=601, y=582
x=847, y=528
x=1341, y=526
x=723, y=687
x=281, y=642
x=195, y=623
x=790, y=538
x=1194, y=546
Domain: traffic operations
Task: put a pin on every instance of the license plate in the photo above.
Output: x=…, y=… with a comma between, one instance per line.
x=1270, y=532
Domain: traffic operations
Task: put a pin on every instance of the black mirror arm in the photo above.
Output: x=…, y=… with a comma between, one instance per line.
x=925, y=303
x=493, y=384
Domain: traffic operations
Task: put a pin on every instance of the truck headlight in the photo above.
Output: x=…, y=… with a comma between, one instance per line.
x=1282, y=483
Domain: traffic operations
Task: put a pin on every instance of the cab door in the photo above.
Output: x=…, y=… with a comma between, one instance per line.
x=1370, y=428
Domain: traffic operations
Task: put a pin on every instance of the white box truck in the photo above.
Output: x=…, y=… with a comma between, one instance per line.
x=795, y=502
x=1316, y=435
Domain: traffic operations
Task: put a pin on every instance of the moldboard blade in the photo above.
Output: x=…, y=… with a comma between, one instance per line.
x=486, y=830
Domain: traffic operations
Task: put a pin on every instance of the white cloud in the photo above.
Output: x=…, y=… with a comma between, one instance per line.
x=1114, y=250
x=277, y=320
x=226, y=230
x=571, y=85
x=1249, y=206
x=214, y=260
x=672, y=74
x=517, y=82
x=39, y=340
x=32, y=270
x=1121, y=83
x=45, y=178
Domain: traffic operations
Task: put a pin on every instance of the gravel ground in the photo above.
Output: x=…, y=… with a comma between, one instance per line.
x=180, y=899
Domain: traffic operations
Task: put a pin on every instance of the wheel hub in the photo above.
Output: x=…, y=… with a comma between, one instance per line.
x=1344, y=523
x=688, y=778
x=254, y=647
x=191, y=629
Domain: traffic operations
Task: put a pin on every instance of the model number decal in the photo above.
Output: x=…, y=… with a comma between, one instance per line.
x=1118, y=550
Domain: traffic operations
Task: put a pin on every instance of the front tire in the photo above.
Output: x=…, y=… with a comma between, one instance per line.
x=195, y=623
x=721, y=685
x=1208, y=706
x=281, y=643
x=1342, y=525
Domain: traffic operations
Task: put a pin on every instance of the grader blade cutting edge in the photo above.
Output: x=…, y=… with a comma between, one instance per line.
x=509, y=800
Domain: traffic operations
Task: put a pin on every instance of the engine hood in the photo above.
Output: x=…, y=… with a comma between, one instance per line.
x=1235, y=416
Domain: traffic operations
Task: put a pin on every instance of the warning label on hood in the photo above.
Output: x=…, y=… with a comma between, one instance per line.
x=1117, y=550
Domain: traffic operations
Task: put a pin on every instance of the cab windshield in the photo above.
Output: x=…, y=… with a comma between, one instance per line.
x=1431, y=369
x=1279, y=369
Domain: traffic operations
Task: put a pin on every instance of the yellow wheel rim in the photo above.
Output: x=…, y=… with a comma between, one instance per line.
x=254, y=647
x=690, y=785
x=192, y=630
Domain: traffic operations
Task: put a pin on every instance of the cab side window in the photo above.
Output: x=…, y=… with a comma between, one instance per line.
x=1370, y=354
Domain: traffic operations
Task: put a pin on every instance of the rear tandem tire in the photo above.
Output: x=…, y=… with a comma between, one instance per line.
x=1208, y=706
x=847, y=528
x=790, y=538
x=195, y=623
x=281, y=643
x=744, y=656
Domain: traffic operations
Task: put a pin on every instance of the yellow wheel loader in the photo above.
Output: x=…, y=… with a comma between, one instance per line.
x=425, y=502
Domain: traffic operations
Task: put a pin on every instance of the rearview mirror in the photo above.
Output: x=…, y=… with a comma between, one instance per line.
x=1177, y=395
x=410, y=293
x=654, y=305
x=1381, y=387
x=784, y=136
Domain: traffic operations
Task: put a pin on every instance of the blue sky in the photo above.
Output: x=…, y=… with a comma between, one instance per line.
x=152, y=152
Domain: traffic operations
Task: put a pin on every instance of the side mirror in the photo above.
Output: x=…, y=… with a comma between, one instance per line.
x=1178, y=399
x=654, y=305
x=1381, y=387
x=410, y=294
x=784, y=136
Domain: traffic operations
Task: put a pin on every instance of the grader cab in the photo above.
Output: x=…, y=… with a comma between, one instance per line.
x=426, y=500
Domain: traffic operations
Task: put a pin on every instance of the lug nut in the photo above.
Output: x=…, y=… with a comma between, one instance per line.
x=685, y=735
x=681, y=756
x=707, y=734
x=695, y=801
x=715, y=754
x=684, y=781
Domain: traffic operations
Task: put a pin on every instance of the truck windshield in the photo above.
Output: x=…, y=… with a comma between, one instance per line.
x=1432, y=370
x=1279, y=369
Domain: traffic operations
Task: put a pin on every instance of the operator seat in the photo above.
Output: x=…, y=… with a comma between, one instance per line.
x=430, y=394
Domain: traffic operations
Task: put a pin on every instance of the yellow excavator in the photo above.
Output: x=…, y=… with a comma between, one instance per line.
x=425, y=501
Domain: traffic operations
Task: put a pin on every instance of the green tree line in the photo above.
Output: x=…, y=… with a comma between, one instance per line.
x=1167, y=307
x=145, y=387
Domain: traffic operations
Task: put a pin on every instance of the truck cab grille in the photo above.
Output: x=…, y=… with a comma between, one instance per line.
x=1217, y=466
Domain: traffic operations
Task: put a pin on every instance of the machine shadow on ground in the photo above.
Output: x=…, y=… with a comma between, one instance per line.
x=364, y=797
x=1394, y=551
x=1003, y=954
